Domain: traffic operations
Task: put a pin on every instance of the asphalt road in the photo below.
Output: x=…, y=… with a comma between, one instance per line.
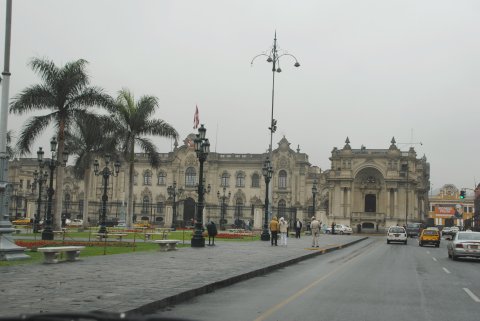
x=368, y=281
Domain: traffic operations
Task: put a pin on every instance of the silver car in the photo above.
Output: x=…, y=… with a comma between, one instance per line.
x=464, y=244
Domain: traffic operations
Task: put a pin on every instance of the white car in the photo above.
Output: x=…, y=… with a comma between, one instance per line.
x=396, y=234
x=339, y=229
x=74, y=222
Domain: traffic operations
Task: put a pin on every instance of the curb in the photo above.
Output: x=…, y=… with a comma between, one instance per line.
x=208, y=288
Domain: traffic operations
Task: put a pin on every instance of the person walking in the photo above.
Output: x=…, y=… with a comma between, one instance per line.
x=212, y=231
x=283, y=231
x=298, y=228
x=274, y=227
x=333, y=228
x=315, y=227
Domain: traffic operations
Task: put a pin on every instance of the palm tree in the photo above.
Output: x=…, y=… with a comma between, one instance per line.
x=10, y=150
x=131, y=122
x=65, y=93
x=88, y=139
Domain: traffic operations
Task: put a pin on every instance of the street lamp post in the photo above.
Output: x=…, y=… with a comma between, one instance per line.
x=39, y=177
x=267, y=172
x=223, y=198
x=202, y=148
x=172, y=192
x=106, y=172
x=314, y=194
x=47, y=233
x=273, y=56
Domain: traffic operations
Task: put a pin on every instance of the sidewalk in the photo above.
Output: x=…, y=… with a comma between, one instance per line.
x=146, y=281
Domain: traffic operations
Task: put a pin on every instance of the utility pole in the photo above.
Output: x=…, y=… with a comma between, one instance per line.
x=8, y=249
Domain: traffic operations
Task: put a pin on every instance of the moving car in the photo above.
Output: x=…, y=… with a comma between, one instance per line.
x=450, y=230
x=340, y=229
x=396, y=234
x=464, y=244
x=413, y=229
x=429, y=236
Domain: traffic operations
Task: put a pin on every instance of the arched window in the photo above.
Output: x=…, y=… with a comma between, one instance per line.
x=147, y=178
x=161, y=178
x=238, y=211
x=224, y=182
x=282, y=179
x=146, y=205
x=160, y=207
x=240, y=180
x=282, y=205
x=190, y=176
x=255, y=180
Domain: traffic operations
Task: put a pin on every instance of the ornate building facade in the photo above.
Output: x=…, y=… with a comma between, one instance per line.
x=370, y=187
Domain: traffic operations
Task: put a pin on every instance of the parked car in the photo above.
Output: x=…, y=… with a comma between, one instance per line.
x=429, y=236
x=74, y=222
x=450, y=230
x=22, y=221
x=464, y=244
x=339, y=229
x=413, y=229
x=396, y=234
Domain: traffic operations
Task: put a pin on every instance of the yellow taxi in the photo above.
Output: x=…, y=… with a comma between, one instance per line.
x=429, y=236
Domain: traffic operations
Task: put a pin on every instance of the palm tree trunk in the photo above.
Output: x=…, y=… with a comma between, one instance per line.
x=86, y=191
x=129, y=216
x=57, y=219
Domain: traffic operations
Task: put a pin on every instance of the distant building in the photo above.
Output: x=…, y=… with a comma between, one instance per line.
x=447, y=209
x=370, y=187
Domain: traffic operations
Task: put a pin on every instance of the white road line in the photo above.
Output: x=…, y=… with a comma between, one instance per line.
x=473, y=296
x=434, y=259
x=446, y=271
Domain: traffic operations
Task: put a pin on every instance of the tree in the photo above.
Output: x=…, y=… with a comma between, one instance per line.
x=131, y=122
x=65, y=93
x=10, y=150
x=89, y=138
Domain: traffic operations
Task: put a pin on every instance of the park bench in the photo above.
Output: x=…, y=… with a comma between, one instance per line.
x=158, y=231
x=118, y=236
x=51, y=253
x=167, y=245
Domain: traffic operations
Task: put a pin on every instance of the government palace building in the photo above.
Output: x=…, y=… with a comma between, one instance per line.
x=367, y=188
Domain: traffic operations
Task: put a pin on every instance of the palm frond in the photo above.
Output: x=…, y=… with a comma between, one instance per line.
x=46, y=69
x=159, y=127
x=33, y=97
x=149, y=148
x=31, y=130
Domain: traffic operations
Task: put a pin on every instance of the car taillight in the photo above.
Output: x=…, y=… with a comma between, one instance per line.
x=459, y=245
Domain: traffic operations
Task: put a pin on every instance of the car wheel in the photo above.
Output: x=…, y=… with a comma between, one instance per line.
x=420, y=244
x=437, y=245
x=405, y=242
x=454, y=257
x=449, y=255
x=341, y=232
x=388, y=242
x=327, y=232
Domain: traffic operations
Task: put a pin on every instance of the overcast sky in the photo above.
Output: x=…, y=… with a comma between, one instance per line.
x=370, y=70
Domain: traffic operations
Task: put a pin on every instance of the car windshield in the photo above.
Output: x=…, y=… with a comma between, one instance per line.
x=413, y=225
x=397, y=229
x=469, y=236
x=430, y=232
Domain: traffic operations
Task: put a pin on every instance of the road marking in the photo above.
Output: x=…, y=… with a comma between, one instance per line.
x=446, y=271
x=434, y=259
x=305, y=289
x=473, y=296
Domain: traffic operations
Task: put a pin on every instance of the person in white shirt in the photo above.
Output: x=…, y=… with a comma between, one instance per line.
x=283, y=231
x=315, y=227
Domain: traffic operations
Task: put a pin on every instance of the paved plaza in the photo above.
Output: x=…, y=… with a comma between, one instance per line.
x=145, y=281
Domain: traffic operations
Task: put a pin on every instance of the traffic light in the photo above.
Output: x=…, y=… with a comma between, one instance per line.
x=462, y=194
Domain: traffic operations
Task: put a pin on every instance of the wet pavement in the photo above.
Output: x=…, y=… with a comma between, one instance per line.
x=146, y=281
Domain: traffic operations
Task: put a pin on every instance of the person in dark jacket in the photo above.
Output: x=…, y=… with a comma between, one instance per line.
x=212, y=231
x=298, y=228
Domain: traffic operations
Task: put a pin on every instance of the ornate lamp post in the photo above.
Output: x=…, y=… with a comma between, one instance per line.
x=106, y=172
x=273, y=56
x=53, y=163
x=267, y=172
x=39, y=177
x=314, y=193
x=222, y=213
x=202, y=148
x=172, y=192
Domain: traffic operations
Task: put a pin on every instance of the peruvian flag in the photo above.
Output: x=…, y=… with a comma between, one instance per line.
x=196, y=118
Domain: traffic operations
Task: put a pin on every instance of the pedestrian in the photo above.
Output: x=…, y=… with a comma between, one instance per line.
x=212, y=232
x=274, y=230
x=298, y=228
x=315, y=227
x=283, y=231
x=333, y=228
